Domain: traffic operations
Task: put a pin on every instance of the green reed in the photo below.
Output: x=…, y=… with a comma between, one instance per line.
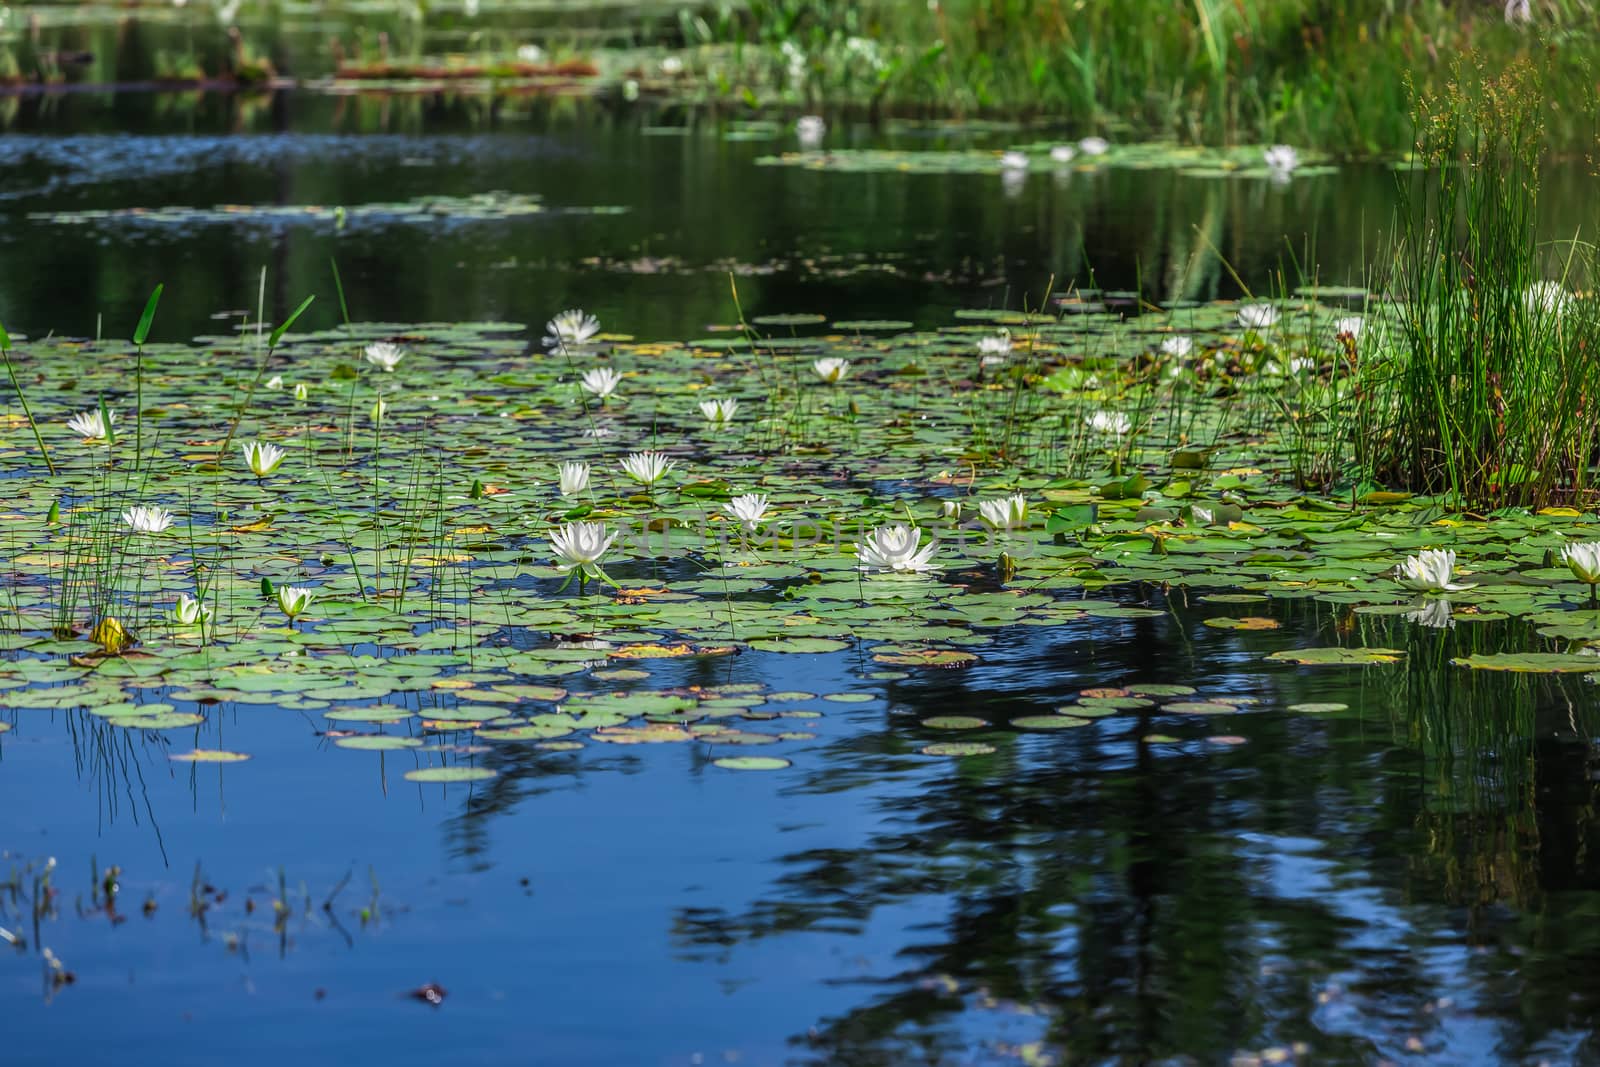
x=1487, y=393
x=1326, y=72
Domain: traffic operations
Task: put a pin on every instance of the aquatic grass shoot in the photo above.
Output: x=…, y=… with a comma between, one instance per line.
x=1488, y=391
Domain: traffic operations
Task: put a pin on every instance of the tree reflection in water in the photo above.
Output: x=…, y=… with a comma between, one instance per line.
x=1372, y=883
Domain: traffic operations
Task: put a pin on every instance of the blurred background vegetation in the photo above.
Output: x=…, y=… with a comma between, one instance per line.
x=1335, y=74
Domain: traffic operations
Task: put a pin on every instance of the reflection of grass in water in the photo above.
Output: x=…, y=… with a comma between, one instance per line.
x=34, y=896
x=1491, y=744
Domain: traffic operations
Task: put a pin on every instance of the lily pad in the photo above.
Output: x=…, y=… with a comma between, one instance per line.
x=1048, y=722
x=1339, y=657
x=954, y=722
x=957, y=748
x=752, y=763
x=1532, y=663
x=450, y=774
x=377, y=742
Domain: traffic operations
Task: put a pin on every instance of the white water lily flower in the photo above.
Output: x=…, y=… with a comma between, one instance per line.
x=1547, y=298
x=1177, y=346
x=90, y=425
x=810, y=129
x=950, y=508
x=1349, y=324
x=530, y=53
x=571, y=327
x=748, y=508
x=601, y=381
x=795, y=62
x=1063, y=153
x=262, y=458
x=1112, y=422
x=1094, y=146
x=1584, y=561
x=646, y=468
x=1301, y=365
x=301, y=392
x=1013, y=161
x=294, y=599
x=581, y=545
x=1430, y=571
x=188, y=611
x=1434, y=614
x=147, y=520
x=1008, y=513
x=1281, y=157
x=1257, y=316
x=719, y=412
x=1202, y=515
x=831, y=368
x=574, y=476
x=275, y=382
x=994, y=349
x=385, y=355
x=895, y=548
x=671, y=66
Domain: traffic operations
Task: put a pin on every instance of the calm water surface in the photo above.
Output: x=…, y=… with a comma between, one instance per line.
x=1378, y=883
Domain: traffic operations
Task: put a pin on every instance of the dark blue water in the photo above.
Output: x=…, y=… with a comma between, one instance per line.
x=1323, y=879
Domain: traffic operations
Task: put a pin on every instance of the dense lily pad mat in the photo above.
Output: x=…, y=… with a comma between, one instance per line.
x=485, y=207
x=1246, y=161
x=1045, y=465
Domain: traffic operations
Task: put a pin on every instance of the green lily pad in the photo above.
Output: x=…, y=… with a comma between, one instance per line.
x=798, y=644
x=170, y=720
x=1200, y=707
x=957, y=748
x=752, y=763
x=954, y=722
x=377, y=742
x=1338, y=656
x=525, y=732
x=1048, y=722
x=450, y=774
x=1144, y=689
x=1532, y=663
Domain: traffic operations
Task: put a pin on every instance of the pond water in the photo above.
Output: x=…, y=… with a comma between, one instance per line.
x=693, y=206
x=1310, y=863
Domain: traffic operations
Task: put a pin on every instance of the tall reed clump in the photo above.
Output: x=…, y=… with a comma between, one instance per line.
x=1487, y=392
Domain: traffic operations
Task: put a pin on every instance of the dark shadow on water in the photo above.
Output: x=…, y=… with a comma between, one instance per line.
x=1148, y=899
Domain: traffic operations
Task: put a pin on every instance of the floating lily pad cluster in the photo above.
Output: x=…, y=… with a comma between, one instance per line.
x=1043, y=468
x=1243, y=161
x=483, y=207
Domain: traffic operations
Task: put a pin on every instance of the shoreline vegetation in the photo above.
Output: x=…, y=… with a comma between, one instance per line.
x=1334, y=75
